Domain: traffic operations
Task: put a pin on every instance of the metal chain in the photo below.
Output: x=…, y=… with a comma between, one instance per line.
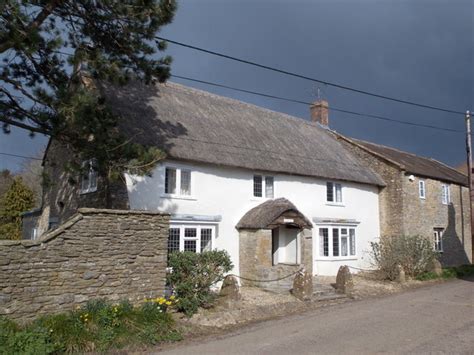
x=279, y=279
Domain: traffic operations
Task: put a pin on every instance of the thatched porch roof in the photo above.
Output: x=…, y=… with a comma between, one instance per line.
x=273, y=213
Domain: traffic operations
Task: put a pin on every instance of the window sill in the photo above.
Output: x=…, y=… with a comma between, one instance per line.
x=335, y=204
x=178, y=197
x=260, y=199
x=85, y=192
x=337, y=258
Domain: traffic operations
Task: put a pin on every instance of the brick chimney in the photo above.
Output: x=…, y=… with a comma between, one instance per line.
x=320, y=112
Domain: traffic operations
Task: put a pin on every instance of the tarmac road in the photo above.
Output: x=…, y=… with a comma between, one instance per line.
x=433, y=319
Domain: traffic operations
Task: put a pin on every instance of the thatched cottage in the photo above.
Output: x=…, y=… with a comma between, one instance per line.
x=275, y=191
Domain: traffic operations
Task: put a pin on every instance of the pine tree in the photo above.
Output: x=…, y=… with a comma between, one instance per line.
x=47, y=46
x=17, y=199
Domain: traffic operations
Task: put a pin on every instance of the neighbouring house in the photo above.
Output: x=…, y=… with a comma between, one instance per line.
x=277, y=192
x=422, y=196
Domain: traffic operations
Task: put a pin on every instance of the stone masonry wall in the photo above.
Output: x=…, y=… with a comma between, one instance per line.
x=112, y=254
x=421, y=216
x=390, y=196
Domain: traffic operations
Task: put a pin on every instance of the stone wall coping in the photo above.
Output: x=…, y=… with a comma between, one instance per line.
x=85, y=210
x=72, y=221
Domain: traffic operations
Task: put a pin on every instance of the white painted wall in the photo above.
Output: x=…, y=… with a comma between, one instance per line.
x=228, y=192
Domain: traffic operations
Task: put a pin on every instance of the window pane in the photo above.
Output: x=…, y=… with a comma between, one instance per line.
x=329, y=192
x=257, y=185
x=269, y=186
x=323, y=242
x=85, y=181
x=190, y=233
x=173, y=240
x=206, y=239
x=352, y=241
x=190, y=245
x=422, y=189
x=335, y=242
x=185, y=182
x=170, y=181
x=93, y=175
x=338, y=192
x=343, y=245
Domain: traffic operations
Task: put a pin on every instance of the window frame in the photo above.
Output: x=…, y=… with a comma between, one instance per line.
x=264, y=181
x=422, y=190
x=182, y=226
x=331, y=241
x=438, y=234
x=445, y=194
x=178, y=188
x=91, y=172
x=334, y=193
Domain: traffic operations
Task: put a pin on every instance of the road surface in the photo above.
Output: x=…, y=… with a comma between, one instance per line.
x=433, y=319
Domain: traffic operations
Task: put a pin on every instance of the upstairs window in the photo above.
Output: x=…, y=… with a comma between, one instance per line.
x=422, y=189
x=263, y=185
x=445, y=194
x=333, y=192
x=438, y=239
x=177, y=181
x=89, y=176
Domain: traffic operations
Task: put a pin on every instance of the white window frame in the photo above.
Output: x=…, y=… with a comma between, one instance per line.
x=422, y=189
x=335, y=186
x=198, y=226
x=178, y=188
x=445, y=194
x=92, y=173
x=339, y=227
x=264, y=186
x=438, y=234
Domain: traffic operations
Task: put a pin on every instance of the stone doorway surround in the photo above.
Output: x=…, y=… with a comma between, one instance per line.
x=259, y=230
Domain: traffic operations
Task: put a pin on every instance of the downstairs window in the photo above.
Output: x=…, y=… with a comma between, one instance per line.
x=195, y=238
x=337, y=241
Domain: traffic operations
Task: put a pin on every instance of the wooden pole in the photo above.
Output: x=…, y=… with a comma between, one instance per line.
x=469, y=174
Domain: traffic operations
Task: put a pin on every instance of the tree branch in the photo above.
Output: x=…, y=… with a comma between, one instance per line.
x=24, y=126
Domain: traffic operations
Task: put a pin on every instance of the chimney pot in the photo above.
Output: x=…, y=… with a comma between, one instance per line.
x=320, y=112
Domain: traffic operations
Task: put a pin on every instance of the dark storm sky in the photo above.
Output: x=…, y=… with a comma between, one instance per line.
x=421, y=51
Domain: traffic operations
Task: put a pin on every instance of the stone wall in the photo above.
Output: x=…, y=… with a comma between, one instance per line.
x=421, y=216
x=112, y=254
x=255, y=253
x=62, y=196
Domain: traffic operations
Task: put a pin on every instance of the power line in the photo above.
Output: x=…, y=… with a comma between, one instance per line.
x=19, y=156
x=281, y=71
x=308, y=103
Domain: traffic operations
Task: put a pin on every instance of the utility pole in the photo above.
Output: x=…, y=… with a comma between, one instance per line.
x=469, y=172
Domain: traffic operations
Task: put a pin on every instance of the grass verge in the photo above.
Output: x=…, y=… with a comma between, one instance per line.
x=448, y=273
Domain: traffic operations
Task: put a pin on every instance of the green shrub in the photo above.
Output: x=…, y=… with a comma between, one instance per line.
x=97, y=326
x=413, y=253
x=193, y=276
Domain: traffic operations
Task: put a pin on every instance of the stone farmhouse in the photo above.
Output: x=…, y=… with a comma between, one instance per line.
x=277, y=192
x=422, y=196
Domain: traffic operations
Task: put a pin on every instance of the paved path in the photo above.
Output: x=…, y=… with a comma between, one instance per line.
x=434, y=319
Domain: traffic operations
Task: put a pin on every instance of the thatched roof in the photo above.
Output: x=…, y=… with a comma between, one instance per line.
x=198, y=126
x=414, y=164
x=267, y=213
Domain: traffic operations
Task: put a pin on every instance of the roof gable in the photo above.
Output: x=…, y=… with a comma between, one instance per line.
x=194, y=125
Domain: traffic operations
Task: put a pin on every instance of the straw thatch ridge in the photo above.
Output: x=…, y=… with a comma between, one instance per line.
x=267, y=213
x=194, y=125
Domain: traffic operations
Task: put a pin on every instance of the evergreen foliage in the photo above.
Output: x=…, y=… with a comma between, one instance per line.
x=17, y=199
x=54, y=51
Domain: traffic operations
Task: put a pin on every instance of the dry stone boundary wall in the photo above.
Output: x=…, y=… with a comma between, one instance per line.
x=112, y=254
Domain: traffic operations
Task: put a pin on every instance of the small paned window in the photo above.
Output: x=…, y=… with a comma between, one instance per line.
x=173, y=240
x=445, y=194
x=194, y=238
x=438, y=239
x=333, y=192
x=177, y=181
x=343, y=242
x=422, y=189
x=263, y=186
x=206, y=239
x=335, y=242
x=89, y=176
